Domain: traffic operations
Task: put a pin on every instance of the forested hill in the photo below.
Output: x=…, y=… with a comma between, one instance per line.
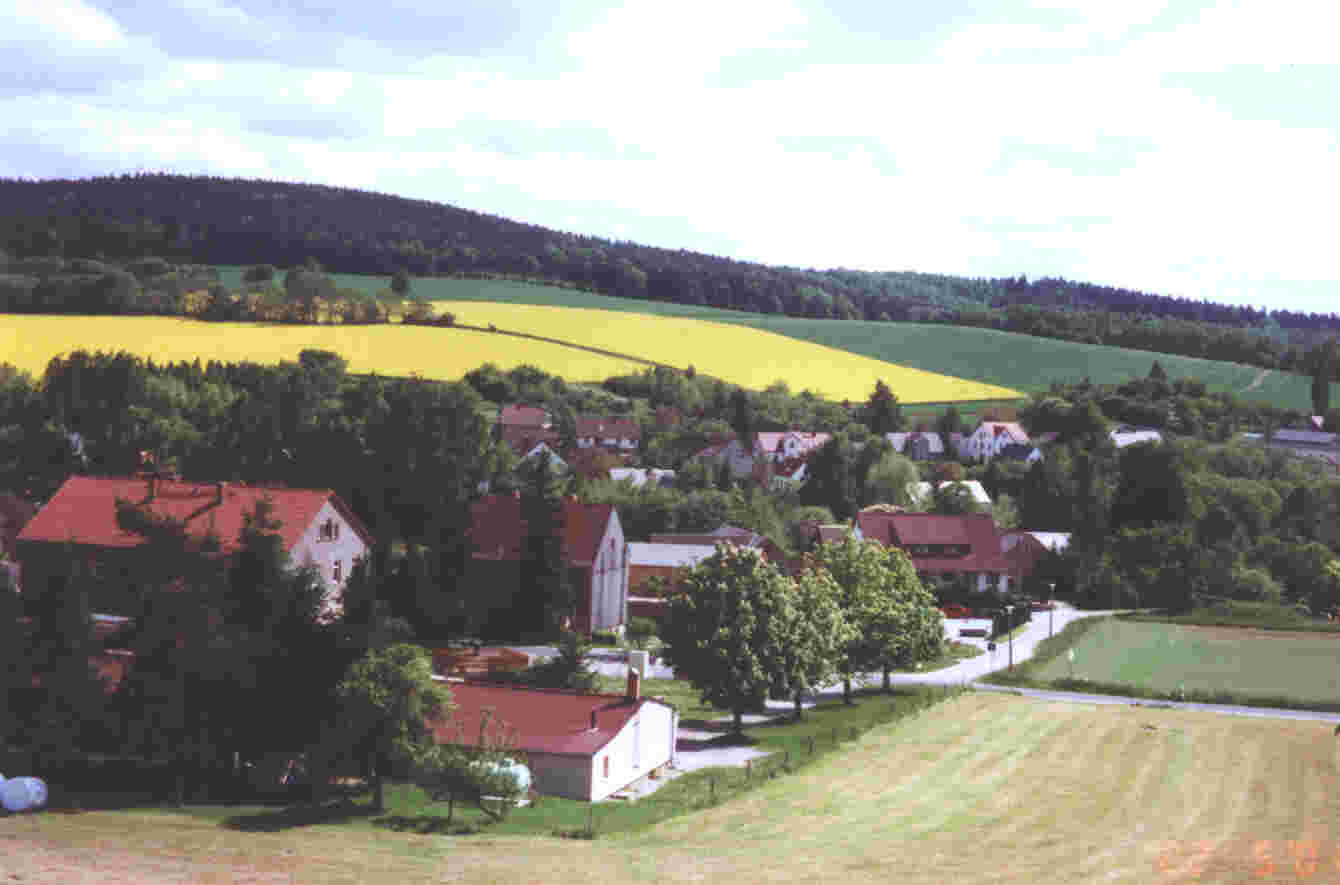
x=236, y=221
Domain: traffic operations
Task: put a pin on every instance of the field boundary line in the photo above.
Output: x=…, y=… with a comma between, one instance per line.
x=1100, y=697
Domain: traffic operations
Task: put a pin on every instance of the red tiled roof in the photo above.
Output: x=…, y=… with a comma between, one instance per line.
x=84, y=510
x=598, y=427
x=498, y=530
x=514, y=415
x=539, y=721
x=525, y=438
x=974, y=530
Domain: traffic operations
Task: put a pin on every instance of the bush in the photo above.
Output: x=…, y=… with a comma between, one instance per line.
x=640, y=630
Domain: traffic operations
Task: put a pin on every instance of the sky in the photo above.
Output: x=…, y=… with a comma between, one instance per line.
x=1183, y=148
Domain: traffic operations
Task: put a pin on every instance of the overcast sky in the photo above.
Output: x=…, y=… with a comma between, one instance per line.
x=1185, y=148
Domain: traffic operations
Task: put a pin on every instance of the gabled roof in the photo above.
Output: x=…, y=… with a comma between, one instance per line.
x=84, y=511
x=541, y=721
x=805, y=440
x=498, y=531
x=516, y=415
x=596, y=427
x=1013, y=429
x=974, y=530
x=523, y=439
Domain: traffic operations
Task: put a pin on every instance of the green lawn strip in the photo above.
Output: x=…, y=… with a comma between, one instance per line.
x=1047, y=669
x=792, y=745
x=1274, y=618
x=1009, y=359
x=952, y=653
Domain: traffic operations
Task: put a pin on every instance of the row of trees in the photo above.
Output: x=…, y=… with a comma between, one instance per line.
x=740, y=631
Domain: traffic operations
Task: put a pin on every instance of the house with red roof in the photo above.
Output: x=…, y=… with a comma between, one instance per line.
x=593, y=546
x=316, y=529
x=578, y=746
x=966, y=547
x=620, y=434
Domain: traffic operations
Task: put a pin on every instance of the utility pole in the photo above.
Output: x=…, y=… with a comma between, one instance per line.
x=1051, y=607
x=1009, y=625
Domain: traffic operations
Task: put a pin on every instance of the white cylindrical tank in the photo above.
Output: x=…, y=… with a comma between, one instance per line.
x=509, y=766
x=37, y=790
x=15, y=795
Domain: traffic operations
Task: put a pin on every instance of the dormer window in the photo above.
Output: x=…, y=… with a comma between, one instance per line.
x=330, y=530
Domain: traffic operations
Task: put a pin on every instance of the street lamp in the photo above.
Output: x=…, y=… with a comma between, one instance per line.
x=1051, y=606
x=1009, y=625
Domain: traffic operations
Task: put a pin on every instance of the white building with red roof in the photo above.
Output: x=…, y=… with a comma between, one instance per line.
x=593, y=546
x=619, y=434
x=578, y=746
x=316, y=528
x=991, y=438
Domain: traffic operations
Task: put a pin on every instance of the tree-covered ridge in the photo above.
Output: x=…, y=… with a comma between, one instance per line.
x=245, y=222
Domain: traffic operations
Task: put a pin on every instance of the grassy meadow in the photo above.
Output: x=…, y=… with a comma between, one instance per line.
x=982, y=788
x=29, y=341
x=1019, y=362
x=1301, y=666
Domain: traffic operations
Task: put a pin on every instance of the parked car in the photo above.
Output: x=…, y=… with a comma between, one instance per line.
x=955, y=611
x=1041, y=606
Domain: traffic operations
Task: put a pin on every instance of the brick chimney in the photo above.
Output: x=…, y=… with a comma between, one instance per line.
x=634, y=684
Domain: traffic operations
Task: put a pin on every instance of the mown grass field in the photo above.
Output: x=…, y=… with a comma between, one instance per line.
x=30, y=341
x=751, y=358
x=1168, y=657
x=1020, y=362
x=984, y=788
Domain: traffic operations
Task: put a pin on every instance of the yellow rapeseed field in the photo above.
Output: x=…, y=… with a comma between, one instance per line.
x=749, y=357
x=30, y=341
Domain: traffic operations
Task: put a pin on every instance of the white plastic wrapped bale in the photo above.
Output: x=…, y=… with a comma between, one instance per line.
x=37, y=791
x=15, y=796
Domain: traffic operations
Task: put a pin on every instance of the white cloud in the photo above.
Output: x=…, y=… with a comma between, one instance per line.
x=58, y=25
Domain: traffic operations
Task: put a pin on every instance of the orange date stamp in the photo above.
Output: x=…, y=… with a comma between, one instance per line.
x=1274, y=859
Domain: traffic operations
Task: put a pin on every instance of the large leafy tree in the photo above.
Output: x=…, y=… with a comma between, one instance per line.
x=727, y=629
x=890, y=479
x=546, y=593
x=385, y=702
x=816, y=636
x=883, y=599
x=881, y=412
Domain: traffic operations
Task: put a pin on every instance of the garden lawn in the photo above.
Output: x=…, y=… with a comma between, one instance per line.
x=1020, y=362
x=1304, y=667
x=983, y=788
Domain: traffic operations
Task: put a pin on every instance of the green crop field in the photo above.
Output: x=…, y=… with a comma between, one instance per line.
x=1021, y=362
x=981, y=789
x=1165, y=657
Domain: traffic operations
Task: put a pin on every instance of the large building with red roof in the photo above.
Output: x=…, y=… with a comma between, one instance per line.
x=966, y=547
x=593, y=546
x=579, y=746
x=316, y=529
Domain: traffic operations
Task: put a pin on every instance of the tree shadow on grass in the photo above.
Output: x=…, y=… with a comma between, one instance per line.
x=429, y=825
x=299, y=816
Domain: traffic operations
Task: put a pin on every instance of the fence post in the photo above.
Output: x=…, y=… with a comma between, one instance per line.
x=590, y=829
x=712, y=785
x=811, y=745
x=788, y=760
x=748, y=768
x=835, y=737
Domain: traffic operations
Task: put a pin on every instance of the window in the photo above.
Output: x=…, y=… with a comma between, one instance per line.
x=337, y=571
x=330, y=530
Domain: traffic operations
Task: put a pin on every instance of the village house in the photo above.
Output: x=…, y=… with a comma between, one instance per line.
x=919, y=445
x=619, y=434
x=990, y=439
x=658, y=560
x=316, y=528
x=641, y=476
x=577, y=746
x=1025, y=548
x=524, y=427
x=964, y=548
x=593, y=547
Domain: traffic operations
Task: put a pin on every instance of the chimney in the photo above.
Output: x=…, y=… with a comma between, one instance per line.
x=218, y=492
x=593, y=720
x=634, y=684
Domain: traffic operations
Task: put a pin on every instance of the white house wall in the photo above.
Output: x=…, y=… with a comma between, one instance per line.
x=609, y=578
x=346, y=548
x=649, y=732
